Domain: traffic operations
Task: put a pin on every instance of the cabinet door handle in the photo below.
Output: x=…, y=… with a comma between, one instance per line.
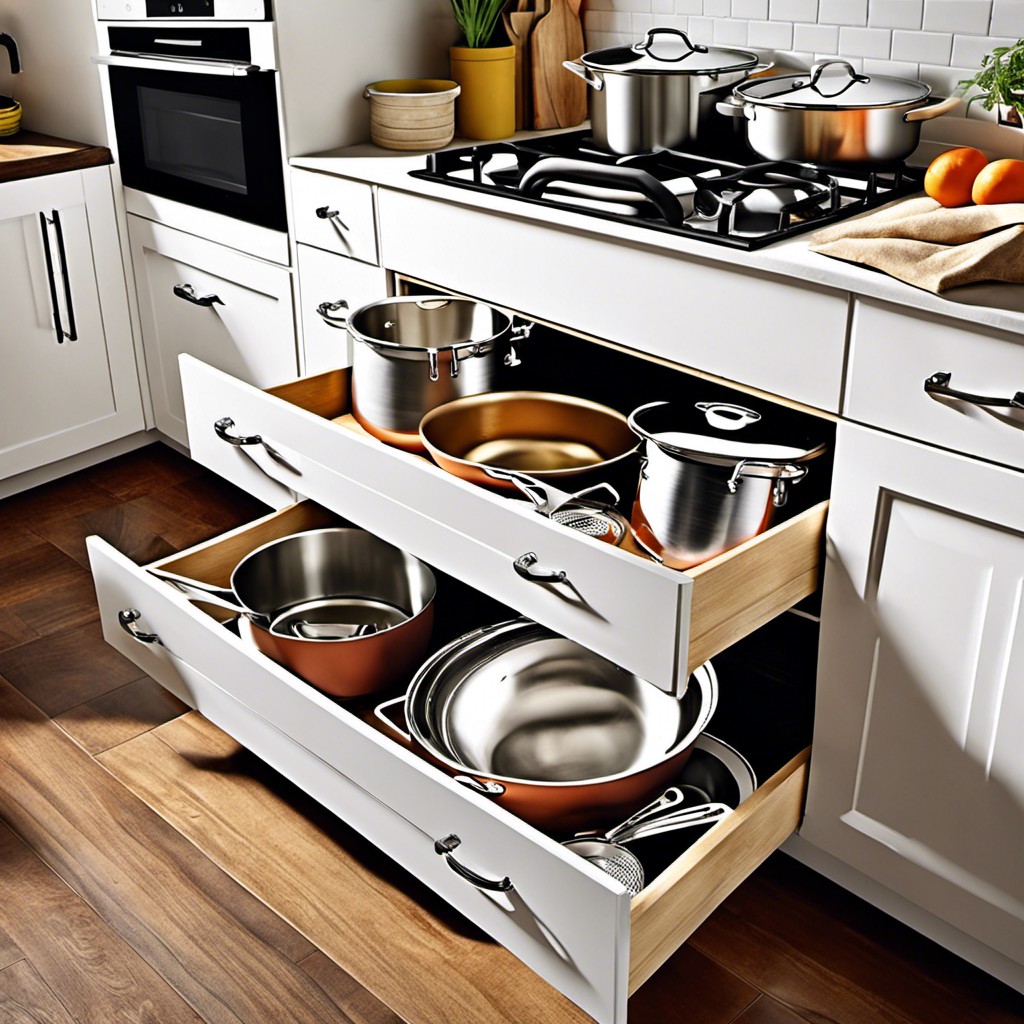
x=938, y=384
x=127, y=619
x=58, y=327
x=326, y=213
x=223, y=427
x=339, y=323
x=526, y=566
x=188, y=293
x=445, y=846
x=72, y=332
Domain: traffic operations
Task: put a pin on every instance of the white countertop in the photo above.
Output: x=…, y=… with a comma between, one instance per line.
x=996, y=305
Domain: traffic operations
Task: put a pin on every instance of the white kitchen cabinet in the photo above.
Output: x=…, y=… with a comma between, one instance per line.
x=69, y=380
x=330, y=287
x=335, y=214
x=918, y=778
x=231, y=310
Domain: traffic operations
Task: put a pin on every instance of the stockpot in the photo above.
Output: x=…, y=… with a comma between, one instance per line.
x=833, y=114
x=341, y=608
x=713, y=474
x=554, y=733
x=416, y=352
x=646, y=96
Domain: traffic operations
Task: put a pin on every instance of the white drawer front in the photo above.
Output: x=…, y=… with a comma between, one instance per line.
x=327, y=278
x=631, y=610
x=335, y=214
x=565, y=919
x=894, y=353
x=743, y=325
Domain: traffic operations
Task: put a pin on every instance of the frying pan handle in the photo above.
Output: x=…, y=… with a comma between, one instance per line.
x=391, y=727
x=444, y=847
x=195, y=590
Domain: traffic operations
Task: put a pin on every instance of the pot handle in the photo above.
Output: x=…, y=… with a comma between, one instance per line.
x=935, y=110
x=784, y=476
x=195, y=590
x=736, y=108
x=645, y=45
x=391, y=727
x=324, y=310
x=577, y=67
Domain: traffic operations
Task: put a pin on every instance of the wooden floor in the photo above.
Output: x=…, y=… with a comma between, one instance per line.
x=152, y=872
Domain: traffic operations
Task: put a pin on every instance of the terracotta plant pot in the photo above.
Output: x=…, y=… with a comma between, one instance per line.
x=486, y=109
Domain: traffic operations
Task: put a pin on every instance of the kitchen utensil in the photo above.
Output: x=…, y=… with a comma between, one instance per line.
x=712, y=477
x=518, y=25
x=551, y=731
x=412, y=113
x=415, y=352
x=833, y=114
x=559, y=101
x=546, y=436
x=339, y=607
x=646, y=96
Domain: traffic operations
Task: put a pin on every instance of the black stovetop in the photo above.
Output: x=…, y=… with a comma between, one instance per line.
x=728, y=196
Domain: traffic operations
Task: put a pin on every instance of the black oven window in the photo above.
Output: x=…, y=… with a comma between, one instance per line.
x=194, y=137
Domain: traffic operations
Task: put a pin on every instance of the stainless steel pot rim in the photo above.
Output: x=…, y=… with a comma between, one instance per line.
x=735, y=763
x=473, y=347
x=427, y=601
x=869, y=92
x=704, y=676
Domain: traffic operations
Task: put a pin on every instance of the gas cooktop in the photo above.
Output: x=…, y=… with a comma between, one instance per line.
x=729, y=198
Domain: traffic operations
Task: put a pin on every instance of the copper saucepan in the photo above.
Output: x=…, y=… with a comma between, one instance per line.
x=554, y=733
x=341, y=608
x=547, y=436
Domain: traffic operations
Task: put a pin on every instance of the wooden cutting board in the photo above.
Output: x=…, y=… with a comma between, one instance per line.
x=559, y=96
x=518, y=25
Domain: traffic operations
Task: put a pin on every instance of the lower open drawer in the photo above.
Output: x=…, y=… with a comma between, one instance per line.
x=571, y=923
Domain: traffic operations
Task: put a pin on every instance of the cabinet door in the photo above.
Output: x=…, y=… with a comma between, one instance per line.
x=918, y=774
x=69, y=380
x=227, y=309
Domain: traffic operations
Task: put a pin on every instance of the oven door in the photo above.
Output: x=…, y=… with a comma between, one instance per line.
x=201, y=133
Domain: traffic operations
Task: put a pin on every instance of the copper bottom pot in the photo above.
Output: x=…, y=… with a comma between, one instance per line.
x=341, y=608
x=554, y=733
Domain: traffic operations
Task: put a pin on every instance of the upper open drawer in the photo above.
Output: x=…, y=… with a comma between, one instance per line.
x=654, y=621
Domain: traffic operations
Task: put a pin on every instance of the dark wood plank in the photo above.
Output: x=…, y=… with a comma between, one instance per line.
x=206, y=500
x=120, y=715
x=67, y=669
x=26, y=999
x=346, y=993
x=13, y=630
x=29, y=155
x=70, y=604
x=86, y=964
x=224, y=951
x=35, y=571
x=61, y=499
x=143, y=471
x=768, y=1011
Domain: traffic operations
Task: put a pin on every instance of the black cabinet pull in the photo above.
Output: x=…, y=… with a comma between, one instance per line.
x=72, y=332
x=188, y=293
x=938, y=384
x=58, y=327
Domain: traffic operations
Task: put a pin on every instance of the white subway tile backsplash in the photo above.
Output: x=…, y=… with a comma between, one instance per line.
x=662, y=6
x=843, y=12
x=943, y=80
x=730, y=32
x=818, y=38
x=898, y=68
x=718, y=8
x=864, y=42
x=752, y=10
x=793, y=10
x=895, y=13
x=770, y=35
x=922, y=47
x=957, y=16
x=689, y=6
x=1007, y=18
x=968, y=51
x=701, y=29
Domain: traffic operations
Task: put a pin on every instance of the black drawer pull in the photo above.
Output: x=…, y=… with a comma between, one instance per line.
x=938, y=384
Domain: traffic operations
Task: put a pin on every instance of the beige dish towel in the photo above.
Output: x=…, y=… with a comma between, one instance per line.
x=922, y=243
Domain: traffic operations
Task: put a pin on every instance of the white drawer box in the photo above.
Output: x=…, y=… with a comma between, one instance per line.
x=744, y=325
x=334, y=214
x=567, y=920
x=337, y=281
x=654, y=621
x=893, y=353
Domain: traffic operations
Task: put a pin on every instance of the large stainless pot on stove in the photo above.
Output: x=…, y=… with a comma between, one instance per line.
x=713, y=476
x=416, y=352
x=554, y=733
x=833, y=114
x=646, y=96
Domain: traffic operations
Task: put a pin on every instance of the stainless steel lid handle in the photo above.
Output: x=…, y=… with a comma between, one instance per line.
x=444, y=847
x=938, y=384
x=647, y=43
x=325, y=309
x=528, y=568
x=818, y=69
x=127, y=619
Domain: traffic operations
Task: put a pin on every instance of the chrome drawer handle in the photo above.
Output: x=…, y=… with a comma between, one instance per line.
x=188, y=293
x=445, y=846
x=126, y=619
x=339, y=323
x=938, y=384
x=326, y=213
x=222, y=429
x=526, y=566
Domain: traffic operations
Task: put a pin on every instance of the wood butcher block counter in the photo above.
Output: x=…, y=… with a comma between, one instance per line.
x=30, y=155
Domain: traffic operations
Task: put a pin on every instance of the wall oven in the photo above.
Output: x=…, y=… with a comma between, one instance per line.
x=195, y=113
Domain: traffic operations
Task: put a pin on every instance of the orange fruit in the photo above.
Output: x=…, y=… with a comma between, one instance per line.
x=951, y=175
x=1001, y=182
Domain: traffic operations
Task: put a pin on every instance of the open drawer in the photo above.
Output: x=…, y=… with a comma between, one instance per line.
x=574, y=925
x=654, y=621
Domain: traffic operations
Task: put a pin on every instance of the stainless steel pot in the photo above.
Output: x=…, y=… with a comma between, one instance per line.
x=417, y=352
x=556, y=734
x=712, y=478
x=646, y=96
x=833, y=115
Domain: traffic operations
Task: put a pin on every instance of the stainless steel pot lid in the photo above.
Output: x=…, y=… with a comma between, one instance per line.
x=518, y=703
x=668, y=51
x=721, y=433
x=832, y=85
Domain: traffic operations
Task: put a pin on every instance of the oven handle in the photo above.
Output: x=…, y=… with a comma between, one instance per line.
x=194, y=65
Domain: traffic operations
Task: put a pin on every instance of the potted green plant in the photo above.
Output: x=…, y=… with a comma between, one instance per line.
x=1000, y=83
x=485, y=108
